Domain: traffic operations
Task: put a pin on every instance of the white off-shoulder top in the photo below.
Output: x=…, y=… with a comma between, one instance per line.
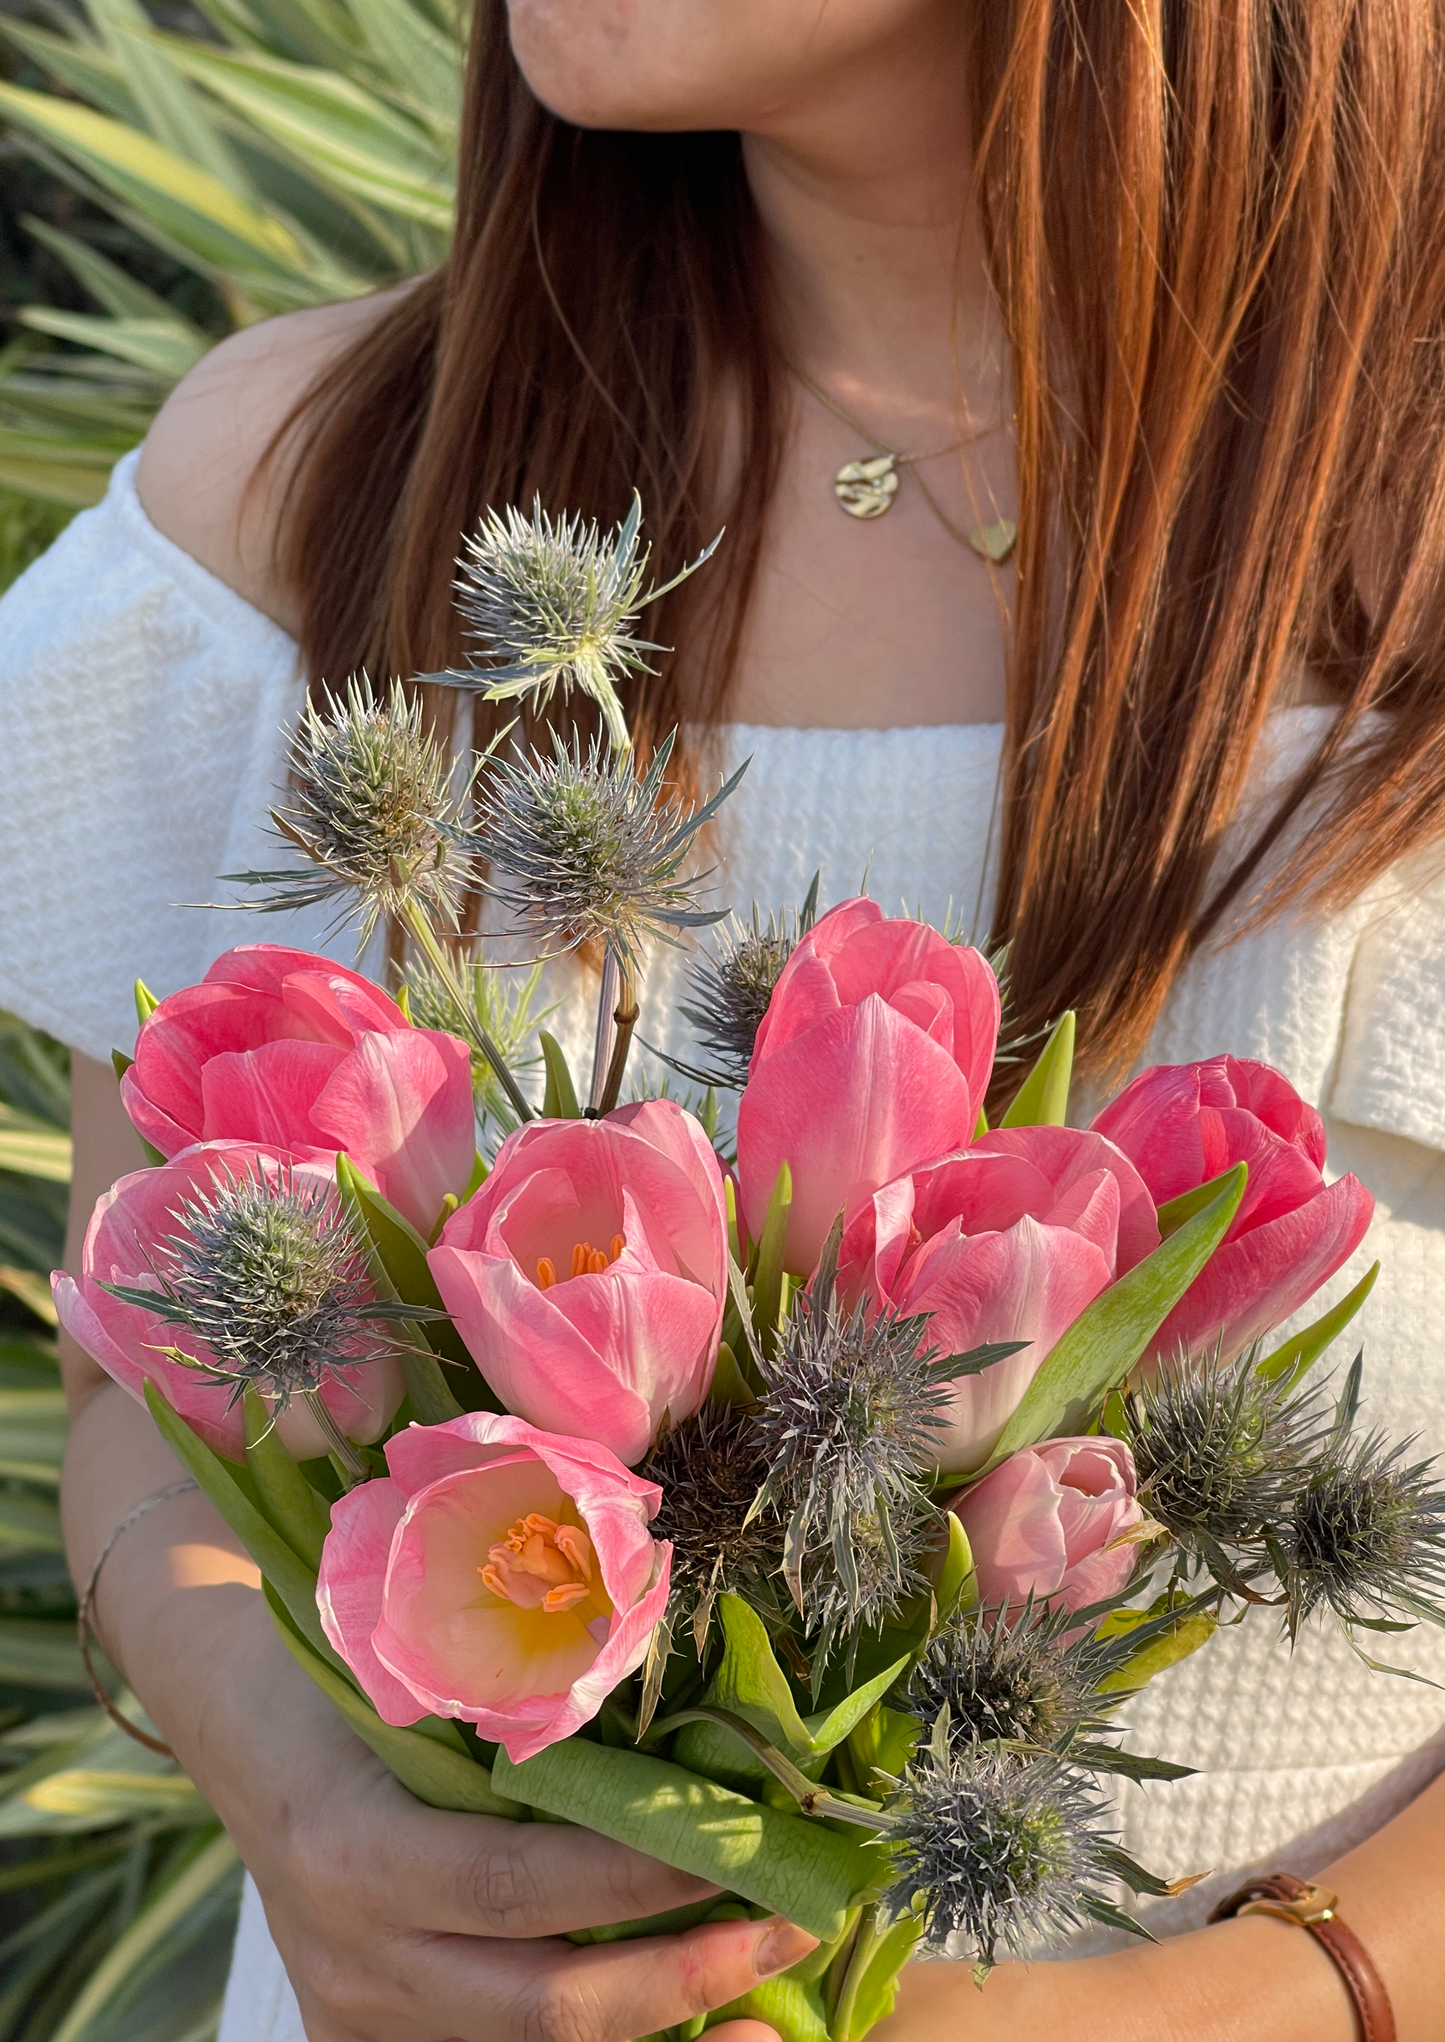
x=141, y=704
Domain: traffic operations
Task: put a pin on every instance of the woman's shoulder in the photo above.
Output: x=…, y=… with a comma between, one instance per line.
x=194, y=479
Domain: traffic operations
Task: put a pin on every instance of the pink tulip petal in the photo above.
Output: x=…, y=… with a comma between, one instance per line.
x=1064, y=1155
x=349, y=1591
x=266, y=1095
x=1256, y=1282
x=859, y=1099
x=401, y=1107
x=1012, y=1523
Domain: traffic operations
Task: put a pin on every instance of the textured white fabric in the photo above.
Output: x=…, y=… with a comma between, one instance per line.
x=139, y=709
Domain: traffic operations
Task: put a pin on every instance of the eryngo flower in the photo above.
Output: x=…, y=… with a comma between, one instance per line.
x=581, y=849
x=710, y=1468
x=1024, y=1682
x=1366, y=1536
x=847, y=1427
x=731, y=989
x=1004, y=1854
x=1219, y=1450
x=270, y=1274
x=553, y=603
x=370, y=805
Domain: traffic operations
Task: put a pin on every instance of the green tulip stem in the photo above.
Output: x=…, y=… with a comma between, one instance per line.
x=811, y=1798
x=436, y=956
x=349, y=1464
x=865, y=1948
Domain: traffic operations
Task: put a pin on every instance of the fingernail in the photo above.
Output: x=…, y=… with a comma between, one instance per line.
x=783, y=1946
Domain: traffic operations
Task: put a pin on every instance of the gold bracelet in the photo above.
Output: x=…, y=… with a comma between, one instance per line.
x=84, y=1616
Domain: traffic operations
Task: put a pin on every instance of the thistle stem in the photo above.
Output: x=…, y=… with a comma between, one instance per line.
x=342, y=1451
x=607, y=1001
x=436, y=955
x=624, y=1020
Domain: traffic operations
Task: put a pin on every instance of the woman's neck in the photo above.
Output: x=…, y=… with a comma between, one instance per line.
x=864, y=189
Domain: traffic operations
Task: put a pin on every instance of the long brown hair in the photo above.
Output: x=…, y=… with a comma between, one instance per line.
x=1217, y=231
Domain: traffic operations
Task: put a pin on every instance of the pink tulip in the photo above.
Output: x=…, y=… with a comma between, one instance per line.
x=288, y=1049
x=873, y=1056
x=125, y=1245
x=587, y=1276
x=1183, y=1124
x=1049, y=1522
x=1009, y=1240
x=498, y=1574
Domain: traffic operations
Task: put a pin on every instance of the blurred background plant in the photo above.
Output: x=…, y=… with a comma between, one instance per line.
x=167, y=174
x=171, y=173
x=118, y=1888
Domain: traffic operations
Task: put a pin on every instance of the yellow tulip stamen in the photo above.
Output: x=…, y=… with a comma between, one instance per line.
x=541, y=1565
x=586, y=1261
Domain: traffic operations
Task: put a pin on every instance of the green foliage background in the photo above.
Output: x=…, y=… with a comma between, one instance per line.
x=213, y=168
x=168, y=176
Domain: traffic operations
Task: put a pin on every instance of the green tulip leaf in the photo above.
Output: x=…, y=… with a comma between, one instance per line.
x=789, y=1864
x=768, y=1274
x=442, y=1775
x=559, y=1100
x=1162, y=1650
x=287, y=1498
x=291, y=1577
x=795, y=2011
x=1096, y=1353
x=957, y=1586
x=1042, y=1100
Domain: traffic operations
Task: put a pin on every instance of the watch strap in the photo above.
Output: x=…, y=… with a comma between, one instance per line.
x=1286, y=1898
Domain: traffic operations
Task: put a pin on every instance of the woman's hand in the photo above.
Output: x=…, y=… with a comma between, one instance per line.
x=397, y=1922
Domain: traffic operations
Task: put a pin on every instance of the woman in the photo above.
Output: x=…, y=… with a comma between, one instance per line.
x=1158, y=290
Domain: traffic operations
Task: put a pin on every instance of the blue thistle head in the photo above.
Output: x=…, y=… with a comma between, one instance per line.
x=271, y=1276
x=370, y=805
x=583, y=850
x=552, y=604
x=1365, y=1537
x=1001, y=1853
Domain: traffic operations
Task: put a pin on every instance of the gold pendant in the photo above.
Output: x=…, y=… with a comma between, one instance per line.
x=995, y=541
x=865, y=489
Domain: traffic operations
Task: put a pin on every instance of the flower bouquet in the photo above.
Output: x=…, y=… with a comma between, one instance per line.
x=798, y=1505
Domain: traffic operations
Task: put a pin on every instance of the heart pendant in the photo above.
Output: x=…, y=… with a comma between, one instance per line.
x=865, y=489
x=994, y=542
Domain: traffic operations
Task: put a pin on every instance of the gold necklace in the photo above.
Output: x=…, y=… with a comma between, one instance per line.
x=865, y=488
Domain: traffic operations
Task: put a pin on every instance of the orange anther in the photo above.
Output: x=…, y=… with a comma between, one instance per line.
x=546, y=1272
x=581, y=1258
x=596, y=1261
x=619, y=1242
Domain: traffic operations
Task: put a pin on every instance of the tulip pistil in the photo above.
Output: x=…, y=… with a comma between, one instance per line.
x=541, y=1565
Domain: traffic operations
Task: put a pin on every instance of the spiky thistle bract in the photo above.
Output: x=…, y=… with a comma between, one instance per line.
x=270, y=1275
x=1004, y=1854
x=710, y=1468
x=847, y=1425
x=731, y=987
x=1220, y=1452
x=370, y=805
x=1017, y=1678
x=582, y=849
x=1366, y=1538
x=553, y=604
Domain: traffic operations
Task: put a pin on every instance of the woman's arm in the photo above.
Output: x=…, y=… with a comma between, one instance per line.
x=398, y=1923
x=1255, y=1980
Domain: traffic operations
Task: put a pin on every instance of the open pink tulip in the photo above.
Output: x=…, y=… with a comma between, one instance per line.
x=498, y=1574
x=125, y=1245
x=288, y=1049
x=1009, y=1240
x=1183, y=1124
x=1047, y=1522
x=587, y=1276
x=873, y=1056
